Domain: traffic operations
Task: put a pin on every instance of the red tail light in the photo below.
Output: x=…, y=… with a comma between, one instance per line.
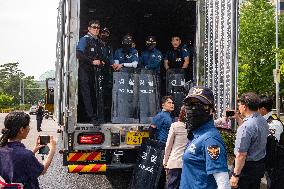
x=96, y=138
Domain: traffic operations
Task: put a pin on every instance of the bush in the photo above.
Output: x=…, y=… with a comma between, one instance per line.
x=229, y=140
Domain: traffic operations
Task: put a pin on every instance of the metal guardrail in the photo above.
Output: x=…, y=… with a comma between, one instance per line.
x=7, y=110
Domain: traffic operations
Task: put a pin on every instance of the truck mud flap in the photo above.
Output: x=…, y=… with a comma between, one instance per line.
x=99, y=168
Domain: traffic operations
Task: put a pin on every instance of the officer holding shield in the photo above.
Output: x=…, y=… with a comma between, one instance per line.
x=205, y=157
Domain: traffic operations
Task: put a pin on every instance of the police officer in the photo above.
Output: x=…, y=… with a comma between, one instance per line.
x=205, y=157
x=39, y=116
x=151, y=58
x=89, y=53
x=177, y=56
x=160, y=126
x=275, y=129
x=161, y=123
x=127, y=56
x=250, y=145
x=107, y=51
x=275, y=124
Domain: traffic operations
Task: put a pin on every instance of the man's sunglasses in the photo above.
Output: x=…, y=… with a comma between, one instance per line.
x=95, y=27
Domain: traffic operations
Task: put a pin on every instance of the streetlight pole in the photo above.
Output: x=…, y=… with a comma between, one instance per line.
x=23, y=91
x=277, y=62
x=20, y=93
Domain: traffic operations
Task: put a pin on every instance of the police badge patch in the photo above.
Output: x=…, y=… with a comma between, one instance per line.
x=213, y=151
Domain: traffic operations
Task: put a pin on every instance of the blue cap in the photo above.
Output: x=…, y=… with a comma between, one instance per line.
x=203, y=94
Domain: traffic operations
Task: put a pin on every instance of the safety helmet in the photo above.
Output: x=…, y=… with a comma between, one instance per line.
x=151, y=40
x=105, y=30
x=127, y=40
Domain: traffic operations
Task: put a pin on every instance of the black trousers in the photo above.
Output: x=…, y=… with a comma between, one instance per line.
x=87, y=101
x=173, y=178
x=38, y=123
x=251, y=174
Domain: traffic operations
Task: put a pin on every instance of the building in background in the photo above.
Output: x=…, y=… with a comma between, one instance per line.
x=281, y=5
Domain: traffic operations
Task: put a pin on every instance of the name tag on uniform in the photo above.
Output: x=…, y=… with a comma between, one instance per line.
x=192, y=148
x=178, y=59
x=92, y=49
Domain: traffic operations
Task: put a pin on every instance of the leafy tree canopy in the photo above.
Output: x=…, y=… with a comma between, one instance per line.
x=257, y=46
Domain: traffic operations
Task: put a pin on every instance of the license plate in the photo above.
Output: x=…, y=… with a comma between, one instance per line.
x=135, y=137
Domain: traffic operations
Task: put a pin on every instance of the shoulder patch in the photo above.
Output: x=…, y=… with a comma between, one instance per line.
x=214, y=151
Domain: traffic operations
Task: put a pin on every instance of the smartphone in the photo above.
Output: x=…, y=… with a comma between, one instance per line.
x=44, y=140
x=230, y=113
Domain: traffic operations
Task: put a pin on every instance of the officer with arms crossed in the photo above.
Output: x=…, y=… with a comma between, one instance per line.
x=205, y=157
x=127, y=56
x=177, y=56
x=151, y=58
x=89, y=53
x=250, y=145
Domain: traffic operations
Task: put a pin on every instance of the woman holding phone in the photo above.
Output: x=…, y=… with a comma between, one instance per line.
x=18, y=164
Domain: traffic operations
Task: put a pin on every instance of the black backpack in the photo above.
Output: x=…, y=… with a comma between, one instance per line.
x=271, y=152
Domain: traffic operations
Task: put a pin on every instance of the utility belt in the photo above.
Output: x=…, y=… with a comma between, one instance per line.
x=255, y=162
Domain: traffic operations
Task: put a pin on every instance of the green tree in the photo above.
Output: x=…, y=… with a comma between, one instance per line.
x=5, y=100
x=10, y=77
x=257, y=47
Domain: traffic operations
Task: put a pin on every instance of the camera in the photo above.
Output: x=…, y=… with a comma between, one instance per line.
x=44, y=140
x=230, y=113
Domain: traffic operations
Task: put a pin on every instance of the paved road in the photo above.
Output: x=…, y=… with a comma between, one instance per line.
x=57, y=176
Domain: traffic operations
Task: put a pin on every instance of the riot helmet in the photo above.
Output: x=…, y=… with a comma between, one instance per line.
x=105, y=34
x=127, y=42
x=199, y=105
x=151, y=42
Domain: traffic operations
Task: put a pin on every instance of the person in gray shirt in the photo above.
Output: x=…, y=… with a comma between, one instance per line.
x=250, y=145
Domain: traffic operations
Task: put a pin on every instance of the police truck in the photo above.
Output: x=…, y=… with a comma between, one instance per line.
x=210, y=25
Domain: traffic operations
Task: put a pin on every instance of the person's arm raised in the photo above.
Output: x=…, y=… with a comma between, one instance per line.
x=52, y=147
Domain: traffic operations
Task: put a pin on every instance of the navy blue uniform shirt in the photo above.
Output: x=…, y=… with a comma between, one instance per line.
x=107, y=52
x=89, y=48
x=120, y=57
x=176, y=57
x=19, y=165
x=205, y=155
x=151, y=59
x=162, y=121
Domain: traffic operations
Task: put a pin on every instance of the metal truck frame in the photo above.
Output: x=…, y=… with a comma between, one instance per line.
x=215, y=66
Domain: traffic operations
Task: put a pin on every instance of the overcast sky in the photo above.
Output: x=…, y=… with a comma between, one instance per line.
x=28, y=34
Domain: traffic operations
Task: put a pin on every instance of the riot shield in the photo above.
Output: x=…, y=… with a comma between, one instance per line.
x=124, y=96
x=148, y=95
x=149, y=165
x=99, y=109
x=175, y=81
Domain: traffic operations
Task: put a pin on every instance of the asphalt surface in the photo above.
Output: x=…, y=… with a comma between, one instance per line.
x=57, y=175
